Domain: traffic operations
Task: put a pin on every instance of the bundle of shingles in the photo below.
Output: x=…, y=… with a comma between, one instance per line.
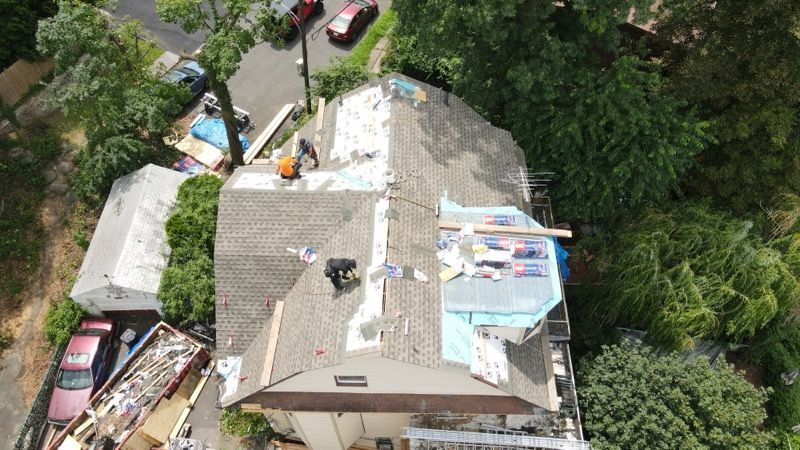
x=135, y=392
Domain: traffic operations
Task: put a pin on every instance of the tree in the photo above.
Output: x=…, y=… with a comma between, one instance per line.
x=105, y=81
x=738, y=61
x=232, y=29
x=572, y=90
x=694, y=273
x=18, y=28
x=632, y=398
x=187, y=285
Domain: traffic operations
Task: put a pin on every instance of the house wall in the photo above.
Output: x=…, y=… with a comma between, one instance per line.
x=387, y=376
x=119, y=298
x=338, y=431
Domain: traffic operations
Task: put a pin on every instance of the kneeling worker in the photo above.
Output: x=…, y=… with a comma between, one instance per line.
x=340, y=268
x=288, y=167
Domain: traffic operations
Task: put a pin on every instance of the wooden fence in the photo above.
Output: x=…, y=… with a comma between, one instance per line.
x=17, y=79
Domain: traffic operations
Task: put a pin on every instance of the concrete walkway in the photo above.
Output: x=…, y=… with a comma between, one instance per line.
x=377, y=54
x=164, y=62
x=12, y=408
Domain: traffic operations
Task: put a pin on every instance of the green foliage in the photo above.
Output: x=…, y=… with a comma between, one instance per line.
x=693, y=273
x=632, y=398
x=405, y=57
x=235, y=422
x=5, y=340
x=777, y=350
x=124, y=109
x=232, y=28
x=380, y=28
x=341, y=76
x=18, y=28
x=22, y=186
x=187, y=285
x=187, y=289
x=62, y=321
x=577, y=98
x=742, y=70
x=617, y=123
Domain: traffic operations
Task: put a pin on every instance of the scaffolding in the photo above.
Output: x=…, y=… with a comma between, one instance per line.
x=428, y=439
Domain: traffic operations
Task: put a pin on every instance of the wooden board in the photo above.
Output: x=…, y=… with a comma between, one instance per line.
x=70, y=444
x=500, y=229
x=320, y=114
x=197, y=390
x=201, y=151
x=272, y=343
x=157, y=427
x=421, y=95
x=187, y=386
x=258, y=145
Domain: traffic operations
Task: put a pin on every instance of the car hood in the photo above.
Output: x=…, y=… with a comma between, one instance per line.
x=65, y=405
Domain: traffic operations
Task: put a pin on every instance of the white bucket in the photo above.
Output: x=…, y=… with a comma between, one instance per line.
x=388, y=176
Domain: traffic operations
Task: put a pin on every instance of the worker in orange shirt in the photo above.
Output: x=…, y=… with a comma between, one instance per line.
x=288, y=167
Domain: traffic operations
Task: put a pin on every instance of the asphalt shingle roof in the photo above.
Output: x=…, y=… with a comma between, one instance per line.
x=129, y=244
x=439, y=147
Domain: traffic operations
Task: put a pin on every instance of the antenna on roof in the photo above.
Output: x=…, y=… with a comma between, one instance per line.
x=530, y=184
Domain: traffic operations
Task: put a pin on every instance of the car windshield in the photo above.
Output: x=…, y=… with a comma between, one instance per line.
x=364, y=3
x=73, y=380
x=189, y=71
x=174, y=76
x=341, y=22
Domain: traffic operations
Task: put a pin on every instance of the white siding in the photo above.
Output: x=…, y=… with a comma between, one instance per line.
x=383, y=425
x=327, y=431
x=388, y=376
x=107, y=299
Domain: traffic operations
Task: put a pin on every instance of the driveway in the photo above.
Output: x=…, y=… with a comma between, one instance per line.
x=267, y=78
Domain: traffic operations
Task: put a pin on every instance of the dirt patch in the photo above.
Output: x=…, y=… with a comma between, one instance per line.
x=753, y=373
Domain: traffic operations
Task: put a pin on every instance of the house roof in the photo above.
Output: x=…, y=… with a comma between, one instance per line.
x=130, y=244
x=439, y=147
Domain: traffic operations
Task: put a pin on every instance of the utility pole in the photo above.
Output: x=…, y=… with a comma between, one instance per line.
x=300, y=18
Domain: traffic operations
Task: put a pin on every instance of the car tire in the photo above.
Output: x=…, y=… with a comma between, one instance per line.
x=319, y=8
x=292, y=34
x=206, y=85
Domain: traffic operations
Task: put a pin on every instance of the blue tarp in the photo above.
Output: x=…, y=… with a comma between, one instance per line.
x=561, y=256
x=213, y=132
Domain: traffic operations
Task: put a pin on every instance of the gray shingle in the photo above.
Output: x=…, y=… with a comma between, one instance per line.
x=129, y=244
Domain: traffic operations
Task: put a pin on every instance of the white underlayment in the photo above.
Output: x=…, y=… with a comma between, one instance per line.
x=362, y=126
x=489, y=359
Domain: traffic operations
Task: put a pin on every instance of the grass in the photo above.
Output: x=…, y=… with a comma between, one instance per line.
x=360, y=54
x=149, y=52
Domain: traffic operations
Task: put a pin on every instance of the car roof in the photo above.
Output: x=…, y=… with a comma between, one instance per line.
x=80, y=344
x=351, y=9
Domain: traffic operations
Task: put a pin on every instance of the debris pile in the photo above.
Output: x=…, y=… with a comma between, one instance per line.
x=125, y=410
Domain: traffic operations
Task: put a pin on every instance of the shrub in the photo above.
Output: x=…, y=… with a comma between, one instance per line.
x=62, y=321
x=5, y=340
x=778, y=351
x=187, y=289
x=235, y=422
x=341, y=76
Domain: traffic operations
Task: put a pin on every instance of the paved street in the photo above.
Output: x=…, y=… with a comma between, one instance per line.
x=267, y=78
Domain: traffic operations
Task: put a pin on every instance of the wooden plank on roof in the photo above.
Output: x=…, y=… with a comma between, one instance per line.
x=320, y=114
x=272, y=343
x=268, y=133
x=502, y=229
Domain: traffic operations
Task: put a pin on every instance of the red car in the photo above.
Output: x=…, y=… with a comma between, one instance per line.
x=82, y=371
x=353, y=17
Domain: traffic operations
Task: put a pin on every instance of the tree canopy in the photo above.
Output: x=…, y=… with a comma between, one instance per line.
x=105, y=81
x=572, y=89
x=18, y=28
x=738, y=61
x=693, y=273
x=187, y=284
x=632, y=398
x=232, y=28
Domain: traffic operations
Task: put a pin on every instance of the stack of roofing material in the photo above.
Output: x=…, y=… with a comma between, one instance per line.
x=166, y=362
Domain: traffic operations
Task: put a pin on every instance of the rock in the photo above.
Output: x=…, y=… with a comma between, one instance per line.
x=21, y=153
x=58, y=188
x=69, y=199
x=49, y=175
x=65, y=166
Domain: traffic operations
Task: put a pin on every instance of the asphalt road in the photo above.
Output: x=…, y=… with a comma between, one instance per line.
x=267, y=78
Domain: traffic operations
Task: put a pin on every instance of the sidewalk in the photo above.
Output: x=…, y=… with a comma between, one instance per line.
x=164, y=62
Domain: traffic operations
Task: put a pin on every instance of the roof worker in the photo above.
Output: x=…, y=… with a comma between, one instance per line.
x=307, y=148
x=288, y=167
x=340, y=268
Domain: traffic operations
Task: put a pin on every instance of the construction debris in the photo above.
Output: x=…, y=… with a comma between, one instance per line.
x=141, y=402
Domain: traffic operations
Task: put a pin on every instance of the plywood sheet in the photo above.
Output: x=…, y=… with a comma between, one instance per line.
x=201, y=151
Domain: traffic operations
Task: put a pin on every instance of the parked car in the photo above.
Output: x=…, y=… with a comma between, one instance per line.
x=190, y=74
x=353, y=17
x=83, y=369
x=311, y=8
